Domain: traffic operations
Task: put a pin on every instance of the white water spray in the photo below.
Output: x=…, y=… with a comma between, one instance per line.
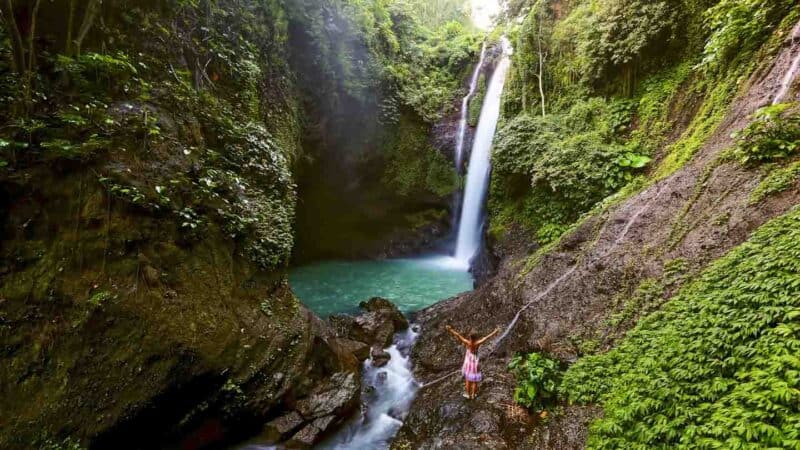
x=387, y=406
x=469, y=227
x=786, y=83
x=462, y=123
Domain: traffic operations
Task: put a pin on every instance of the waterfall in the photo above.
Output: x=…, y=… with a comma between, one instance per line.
x=792, y=72
x=469, y=226
x=462, y=124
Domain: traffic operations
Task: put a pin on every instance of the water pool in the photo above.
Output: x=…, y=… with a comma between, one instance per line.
x=339, y=286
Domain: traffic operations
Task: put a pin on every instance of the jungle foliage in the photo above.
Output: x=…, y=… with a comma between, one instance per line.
x=717, y=367
x=592, y=96
x=538, y=379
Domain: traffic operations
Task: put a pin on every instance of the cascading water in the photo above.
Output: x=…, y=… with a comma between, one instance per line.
x=461, y=137
x=386, y=406
x=462, y=123
x=469, y=226
x=792, y=72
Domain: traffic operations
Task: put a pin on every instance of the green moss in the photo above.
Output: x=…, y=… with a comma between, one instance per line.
x=413, y=167
x=99, y=298
x=705, y=122
x=773, y=135
x=777, y=180
x=717, y=367
x=476, y=103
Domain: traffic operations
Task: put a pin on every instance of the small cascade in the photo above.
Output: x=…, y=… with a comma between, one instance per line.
x=385, y=407
x=791, y=74
x=469, y=226
x=462, y=123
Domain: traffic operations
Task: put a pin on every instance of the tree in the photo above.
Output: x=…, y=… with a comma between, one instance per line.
x=21, y=25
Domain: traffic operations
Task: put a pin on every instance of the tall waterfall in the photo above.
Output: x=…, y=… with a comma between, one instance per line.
x=462, y=124
x=469, y=226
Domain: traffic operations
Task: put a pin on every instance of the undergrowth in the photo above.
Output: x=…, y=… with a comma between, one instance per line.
x=718, y=367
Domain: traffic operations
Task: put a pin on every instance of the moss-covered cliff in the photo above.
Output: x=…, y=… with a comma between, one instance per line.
x=149, y=170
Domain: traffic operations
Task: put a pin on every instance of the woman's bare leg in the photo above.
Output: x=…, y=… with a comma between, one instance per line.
x=467, y=387
x=474, y=390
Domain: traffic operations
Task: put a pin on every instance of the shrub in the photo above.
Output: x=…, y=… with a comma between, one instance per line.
x=778, y=180
x=774, y=134
x=538, y=378
x=739, y=27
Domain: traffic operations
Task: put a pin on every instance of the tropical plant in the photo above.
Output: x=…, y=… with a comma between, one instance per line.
x=773, y=134
x=538, y=378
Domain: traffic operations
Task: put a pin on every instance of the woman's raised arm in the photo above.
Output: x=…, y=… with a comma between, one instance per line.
x=458, y=336
x=489, y=336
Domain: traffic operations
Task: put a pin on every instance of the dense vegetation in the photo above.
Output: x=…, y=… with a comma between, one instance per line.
x=718, y=367
x=152, y=155
x=297, y=92
x=593, y=93
x=594, y=105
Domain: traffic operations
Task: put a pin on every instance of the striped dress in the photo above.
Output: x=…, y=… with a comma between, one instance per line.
x=471, y=368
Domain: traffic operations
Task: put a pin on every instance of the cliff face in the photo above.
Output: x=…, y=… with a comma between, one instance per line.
x=147, y=212
x=566, y=300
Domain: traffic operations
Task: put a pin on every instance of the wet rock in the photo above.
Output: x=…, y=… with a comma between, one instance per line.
x=304, y=438
x=358, y=349
x=282, y=426
x=376, y=326
x=311, y=433
x=388, y=309
x=338, y=395
x=380, y=357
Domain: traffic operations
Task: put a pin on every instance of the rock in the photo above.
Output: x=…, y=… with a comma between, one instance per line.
x=380, y=357
x=358, y=349
x=304, y=438
x=484, y=422
x=323, y=423
x=282, y=426
x=151, y=275
x=376, y=326
x=338, y=395
x=388, y=309
x=311, y=433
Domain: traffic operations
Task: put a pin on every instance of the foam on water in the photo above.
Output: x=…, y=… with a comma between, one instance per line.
x=385, y=407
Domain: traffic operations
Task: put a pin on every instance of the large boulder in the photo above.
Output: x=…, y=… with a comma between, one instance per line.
x=375, y=327
x=337, y=395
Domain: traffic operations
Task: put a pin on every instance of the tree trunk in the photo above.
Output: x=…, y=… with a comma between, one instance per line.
x=92, y=8
x=70, y=27
x=542, y=56
x=17, y=46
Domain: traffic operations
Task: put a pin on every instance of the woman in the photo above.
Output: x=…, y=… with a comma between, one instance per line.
x=471, y=368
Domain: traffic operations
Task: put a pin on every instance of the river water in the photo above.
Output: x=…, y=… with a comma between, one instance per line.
x=339, y=286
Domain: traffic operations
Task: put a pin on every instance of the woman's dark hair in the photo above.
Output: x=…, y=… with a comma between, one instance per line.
x=473, y=335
